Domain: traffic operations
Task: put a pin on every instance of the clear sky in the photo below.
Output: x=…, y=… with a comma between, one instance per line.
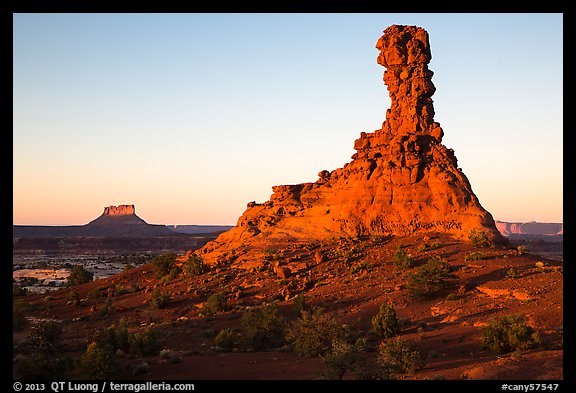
x=191, y=116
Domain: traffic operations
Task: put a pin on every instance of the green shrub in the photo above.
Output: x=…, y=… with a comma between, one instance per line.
x=512, y=273
x=73, y=297
x=144, y=343
x=522, y=250
x=360, y=267
x=226, y=339
x=400, y=357
x=195, y=266
x=79, y=276
x=401, y=259
x=215, y=303
x=452, y=297
x=299, y=303
x=263, y=328
x=128, y=266
x=474, y=256
x=314, y=331
x=114, y=337
x=97, y=362
x=385, y=323
x=44, y=335
x=44, y=367
x=165, y=265
x=429, y=279
x=479, y=238
x=159, y=299
x=342, y=357
x=507, y=334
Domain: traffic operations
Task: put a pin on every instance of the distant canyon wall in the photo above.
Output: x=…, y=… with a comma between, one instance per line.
x=529, y=228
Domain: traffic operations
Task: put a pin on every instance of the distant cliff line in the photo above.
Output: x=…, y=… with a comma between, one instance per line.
x=530, y=228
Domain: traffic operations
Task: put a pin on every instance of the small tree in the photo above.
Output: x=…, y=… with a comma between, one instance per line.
x=479, y=238
x=385, y=323
x=400, y=357
x=226, y=339
x=79, y=276
x=98, y=362
x=195, y=266
x=342, y=357
x=44, y=335
x=430, y=279
x=263, y=327
x=401, y=259
x=215, y=303
x=507, y=334
x=314, y=331
x=165, y=265
x=159, y=299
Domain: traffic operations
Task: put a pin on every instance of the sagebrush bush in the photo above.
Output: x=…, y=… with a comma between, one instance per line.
x=342, y=357
x=385, y=323
x=314, y=331
x=399, y=356
x=115, y=337
x=97, y=362
x=479, y=238
x=144, y=343
x=263, y=328
x=430, y=279
x=44, y=335
x=159, y=299
x=79, y=276
x=300, y=304
x=507, y=334
x=401, y=259
x=215, y=303
x=226, y=339
x=195, y=266
x=474, y=256
x=165, y=265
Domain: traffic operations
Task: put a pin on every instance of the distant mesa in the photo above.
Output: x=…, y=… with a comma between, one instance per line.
x=115, y=221
x=401, y=180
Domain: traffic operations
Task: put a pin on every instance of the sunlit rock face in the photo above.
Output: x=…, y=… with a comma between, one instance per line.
x=401, y=179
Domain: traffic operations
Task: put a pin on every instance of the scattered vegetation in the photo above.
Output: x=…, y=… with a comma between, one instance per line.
x=432, y=246
x=385, y=323
x=452, y=296
x=97, y=362
x=521, y=250
x=73, y=297
x=79, y=276
x=430, y=279
x=403, y=260
x=400, y=357
x=314, y=331
x=507, y=334
x=44, y=335
x=479, y=238
x=115, y=337
x=159, y=299
x=263, y=328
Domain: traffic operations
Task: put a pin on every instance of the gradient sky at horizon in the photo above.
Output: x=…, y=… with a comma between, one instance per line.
x=191, y=116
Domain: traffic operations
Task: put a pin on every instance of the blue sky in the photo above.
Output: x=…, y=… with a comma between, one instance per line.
x=191, y=116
